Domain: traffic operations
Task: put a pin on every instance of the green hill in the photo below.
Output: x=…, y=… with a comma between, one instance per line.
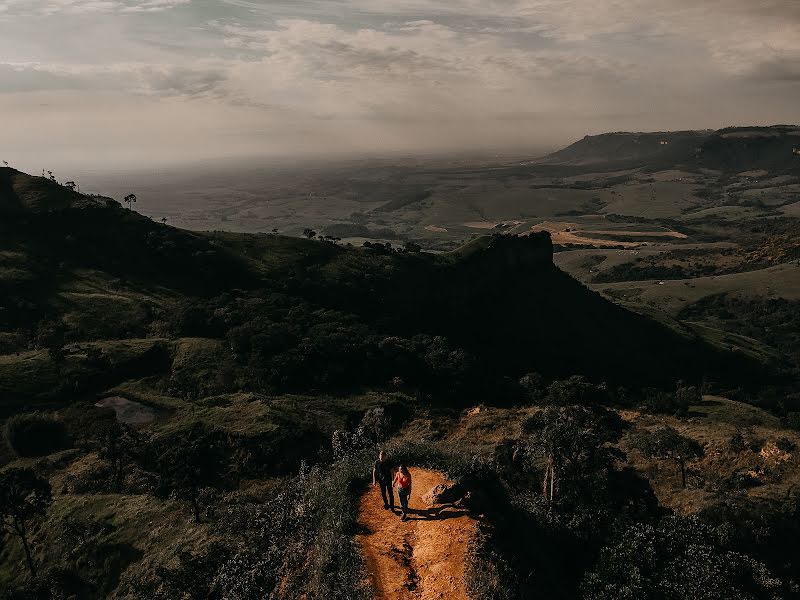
x=301, y=314
x=22, y=194
x=247, y=380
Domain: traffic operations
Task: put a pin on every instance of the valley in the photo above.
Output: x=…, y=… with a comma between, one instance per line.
x=597, y=348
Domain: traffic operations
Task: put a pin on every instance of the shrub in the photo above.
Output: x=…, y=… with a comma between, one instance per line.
x=677, y=403
x=35, y=434
x=792, y=421
x=737, y=442
x=489, y=575
x=665, y=443
x=677, y=558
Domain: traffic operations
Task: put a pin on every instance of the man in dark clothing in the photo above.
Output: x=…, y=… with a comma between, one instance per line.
x=382, y=476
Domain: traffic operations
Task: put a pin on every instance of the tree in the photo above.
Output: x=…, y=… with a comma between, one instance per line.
x=129, y=200
x=192, y=463
x=24, y=498
x=685, y=397
x=73, y=186
x=309, y=233
x=119, y=444
x=51, y=335
x=678, y=559
x=375, y=424
x=577, y=390
x=665, y=443
x=533, y=386
x=573, y=443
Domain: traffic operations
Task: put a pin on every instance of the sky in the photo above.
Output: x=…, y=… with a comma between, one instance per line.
x=132, y=83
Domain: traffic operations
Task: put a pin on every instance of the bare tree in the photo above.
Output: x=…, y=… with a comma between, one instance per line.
x=24, y=498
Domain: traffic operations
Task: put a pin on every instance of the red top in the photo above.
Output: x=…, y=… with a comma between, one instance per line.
x=403, y=481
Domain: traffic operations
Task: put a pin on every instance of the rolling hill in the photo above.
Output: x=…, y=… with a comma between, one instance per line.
x=197, y=415
x=298, y=314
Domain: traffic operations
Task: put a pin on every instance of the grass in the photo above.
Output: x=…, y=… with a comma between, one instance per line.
x=27, y=374
x=317, y=555
x=712, y=478
x=276, y=433
x=146, y=392
x=781, y=281
x=140, y=533
x=103, y=315
x=33, y=378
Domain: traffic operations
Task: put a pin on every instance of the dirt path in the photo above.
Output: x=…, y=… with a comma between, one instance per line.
x=423, y=558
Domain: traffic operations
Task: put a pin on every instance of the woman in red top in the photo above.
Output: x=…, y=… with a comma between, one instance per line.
x=402, y=482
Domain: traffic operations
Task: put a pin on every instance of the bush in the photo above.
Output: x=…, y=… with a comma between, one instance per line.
x=294, y=543
x=792, y=421
x=676, y=403
x=677, y=558
x=489, y=576
x=35, y=434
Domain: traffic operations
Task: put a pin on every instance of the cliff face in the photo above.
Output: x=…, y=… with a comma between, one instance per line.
x=738, y=149
x=510, y=254
x=733, y=149
x=614, y=147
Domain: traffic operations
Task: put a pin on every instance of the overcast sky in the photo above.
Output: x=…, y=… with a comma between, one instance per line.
x=113, y=83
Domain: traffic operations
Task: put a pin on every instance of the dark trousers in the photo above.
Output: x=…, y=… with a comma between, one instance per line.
x=403, y=494
x=386, y=490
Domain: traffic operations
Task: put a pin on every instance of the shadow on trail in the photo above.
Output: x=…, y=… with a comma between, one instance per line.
x=436, y=513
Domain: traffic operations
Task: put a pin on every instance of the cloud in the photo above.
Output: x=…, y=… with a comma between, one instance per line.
x=85, y=7
x=154, y=5
x=303, y=75
x=131, y=78
x=333, y=70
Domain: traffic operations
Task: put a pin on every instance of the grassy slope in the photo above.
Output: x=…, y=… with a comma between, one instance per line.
x=781, y=281
x=146, y=532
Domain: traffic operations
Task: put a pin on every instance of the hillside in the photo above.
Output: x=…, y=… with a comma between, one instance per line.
x=496, y=308
x=196, y=415
x=731, y=150
x=22, y=194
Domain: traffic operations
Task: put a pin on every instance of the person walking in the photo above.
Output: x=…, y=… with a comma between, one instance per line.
x=382, y=476
x=402, y=481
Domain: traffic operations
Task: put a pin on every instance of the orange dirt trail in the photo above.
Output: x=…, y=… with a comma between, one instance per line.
x=423, y=558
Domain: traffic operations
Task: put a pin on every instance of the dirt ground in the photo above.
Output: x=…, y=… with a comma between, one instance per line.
x=423, y=558
x=563, y=232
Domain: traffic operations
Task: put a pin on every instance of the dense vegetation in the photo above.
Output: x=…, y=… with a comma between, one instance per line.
x=273, y=368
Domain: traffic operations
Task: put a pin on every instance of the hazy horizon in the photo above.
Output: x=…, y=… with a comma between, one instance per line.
x=104, y=85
